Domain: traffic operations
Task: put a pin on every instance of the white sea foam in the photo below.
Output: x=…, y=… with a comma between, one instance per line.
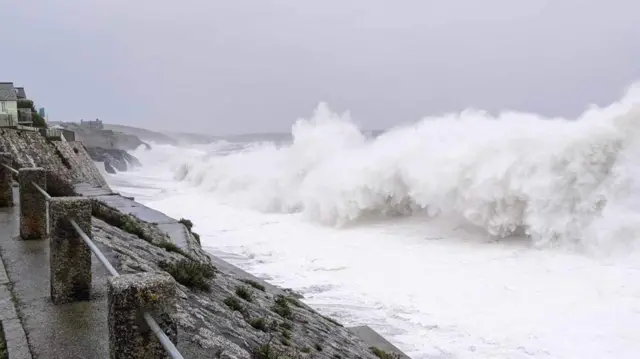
x=558, y=180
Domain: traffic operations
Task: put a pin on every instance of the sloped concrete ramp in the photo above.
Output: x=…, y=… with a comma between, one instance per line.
x=176, y=230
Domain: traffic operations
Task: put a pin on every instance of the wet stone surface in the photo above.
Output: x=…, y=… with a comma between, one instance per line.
x=70, y=257
x=129, y=297
x=33, y=204
x=6, y=194
x=66, y=162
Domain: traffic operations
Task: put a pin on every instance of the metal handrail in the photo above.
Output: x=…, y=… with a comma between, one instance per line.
x=162, y=337
x=94, y=249
x=155, y=328
x=44, y=193
x=15, y=171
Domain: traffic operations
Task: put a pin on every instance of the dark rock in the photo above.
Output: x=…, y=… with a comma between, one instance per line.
x=131, y=159
x=119, y=164
x=109, y=168
x=118, y=159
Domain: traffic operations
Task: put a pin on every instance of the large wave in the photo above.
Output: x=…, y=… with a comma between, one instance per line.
x=558, y=180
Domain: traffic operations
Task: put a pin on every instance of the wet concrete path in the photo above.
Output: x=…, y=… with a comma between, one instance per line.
x=75, y=330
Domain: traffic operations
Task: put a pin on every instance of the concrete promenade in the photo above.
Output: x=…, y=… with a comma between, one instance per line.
x=34, y=327
x=74, y=330
x=16, y=344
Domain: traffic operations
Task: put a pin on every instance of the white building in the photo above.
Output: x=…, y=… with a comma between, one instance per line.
x=8, y=105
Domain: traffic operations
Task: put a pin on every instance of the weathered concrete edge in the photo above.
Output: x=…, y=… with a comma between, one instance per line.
x=14, y=334
x=365, y=333
x=374, y=339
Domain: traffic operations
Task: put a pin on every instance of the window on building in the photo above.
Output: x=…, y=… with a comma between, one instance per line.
x=4, y=106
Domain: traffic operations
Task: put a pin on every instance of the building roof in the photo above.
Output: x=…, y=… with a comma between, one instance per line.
x=20, y=92
x=7, y=92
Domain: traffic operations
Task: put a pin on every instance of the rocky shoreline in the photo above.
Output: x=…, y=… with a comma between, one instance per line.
x=115, y=160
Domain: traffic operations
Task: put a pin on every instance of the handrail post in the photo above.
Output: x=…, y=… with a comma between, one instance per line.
x=69, y=256
x=129, y=296
x=6, y=193
x=33, y=206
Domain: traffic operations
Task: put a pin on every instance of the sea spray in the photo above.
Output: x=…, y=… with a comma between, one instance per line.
x=557, y=180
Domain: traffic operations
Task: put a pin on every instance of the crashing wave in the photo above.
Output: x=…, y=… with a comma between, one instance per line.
x=555, y=179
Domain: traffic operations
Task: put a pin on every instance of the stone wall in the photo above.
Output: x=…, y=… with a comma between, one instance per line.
x=83, y=167
x=66, y=162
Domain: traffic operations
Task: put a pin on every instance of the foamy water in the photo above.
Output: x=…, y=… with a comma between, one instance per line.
x=463, y=236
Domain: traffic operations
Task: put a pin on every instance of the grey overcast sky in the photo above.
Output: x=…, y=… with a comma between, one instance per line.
x=241, y=66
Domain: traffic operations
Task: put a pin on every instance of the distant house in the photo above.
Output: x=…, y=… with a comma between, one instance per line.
x=25, y=117
x=94, y=125
x=8, y=105
x=20, y=93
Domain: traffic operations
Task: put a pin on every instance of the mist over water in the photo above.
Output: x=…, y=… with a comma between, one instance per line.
x=464, y=235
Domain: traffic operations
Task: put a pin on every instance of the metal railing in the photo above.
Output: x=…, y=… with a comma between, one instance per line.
x=164, y=340
x=44, y=193
x=15, y=171
x=155, y=328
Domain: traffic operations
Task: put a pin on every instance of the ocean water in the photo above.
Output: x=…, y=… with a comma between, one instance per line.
x=463, y=235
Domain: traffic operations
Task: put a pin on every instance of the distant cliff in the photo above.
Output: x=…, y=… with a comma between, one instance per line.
x=165, y=138
x=161, y=138
x=104, y=138
x=146, y=135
